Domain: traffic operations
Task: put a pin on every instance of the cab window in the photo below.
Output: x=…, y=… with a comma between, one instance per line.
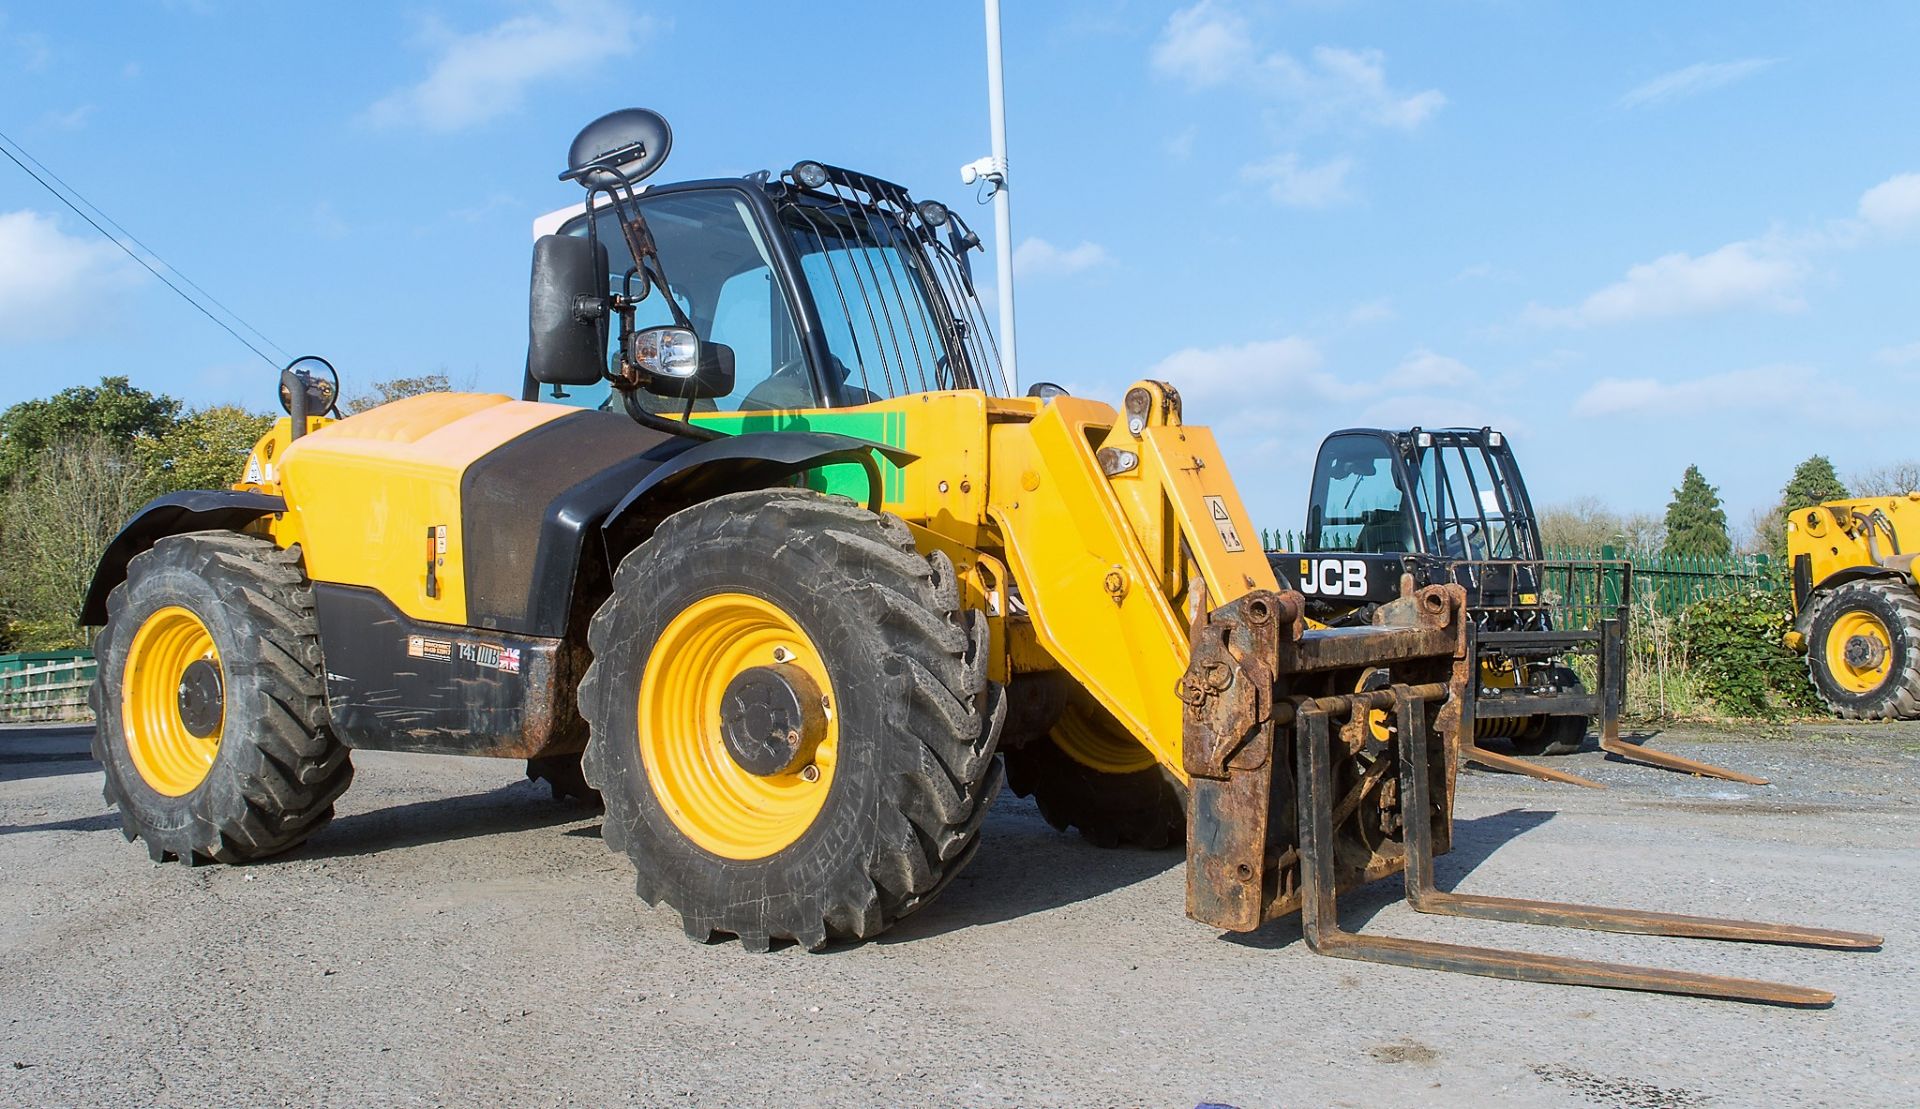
x=1357, y=502
x=722, y=276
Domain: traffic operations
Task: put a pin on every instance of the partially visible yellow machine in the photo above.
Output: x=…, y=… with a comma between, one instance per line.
x=771, y=581
x=1857, y=614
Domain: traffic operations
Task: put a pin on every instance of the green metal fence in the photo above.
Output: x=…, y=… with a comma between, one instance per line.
x=1666, y=583
x=45, y=685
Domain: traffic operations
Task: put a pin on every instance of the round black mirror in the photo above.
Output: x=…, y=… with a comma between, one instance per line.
x=322, y=384
x=632, y=142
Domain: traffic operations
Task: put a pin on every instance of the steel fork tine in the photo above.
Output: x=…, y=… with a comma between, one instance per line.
x=1424, y=896
x=1319, y=908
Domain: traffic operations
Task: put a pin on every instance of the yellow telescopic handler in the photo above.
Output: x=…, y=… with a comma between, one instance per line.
x=763, y=557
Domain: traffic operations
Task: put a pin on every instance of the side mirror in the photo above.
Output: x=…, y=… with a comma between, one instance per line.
x=677, y=364
x=567, y=313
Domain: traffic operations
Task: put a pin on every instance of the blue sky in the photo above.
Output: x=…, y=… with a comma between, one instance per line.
x=1637, y=236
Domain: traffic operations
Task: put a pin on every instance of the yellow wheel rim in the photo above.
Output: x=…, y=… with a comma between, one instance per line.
x=711, y=798
x=1094, y=740
x=171, y=758
x=1869, y=674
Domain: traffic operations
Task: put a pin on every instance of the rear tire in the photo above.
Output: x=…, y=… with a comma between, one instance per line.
x=770, y=582
x=1144, y=807
x=1879, y=621
x=564, y=777
x=266, y=776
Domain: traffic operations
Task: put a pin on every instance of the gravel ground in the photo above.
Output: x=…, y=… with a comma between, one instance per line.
x=456, y=937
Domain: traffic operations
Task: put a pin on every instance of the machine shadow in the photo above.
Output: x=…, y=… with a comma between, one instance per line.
x=1474, y=841
x=21, y=768
x=1025, y=867
x=519, y=807
x=99, y=823
x=46, y=751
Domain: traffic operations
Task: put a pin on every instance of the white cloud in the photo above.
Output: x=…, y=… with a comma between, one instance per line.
x=1253, y=382
x=1371, y=311
x=70, y=120
x=1904, y=355
x=1207, y=44
x=1211, y=44
x=485, y=74
x=1776, y=387
x=1297, y=186
x=50, y=282
x=1748, y=274
x=1894, y=204
x=1040, y=258
x=1423, y=369
x=1698, y=78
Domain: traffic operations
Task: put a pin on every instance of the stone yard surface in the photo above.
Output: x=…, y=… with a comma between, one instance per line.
x=457, y=937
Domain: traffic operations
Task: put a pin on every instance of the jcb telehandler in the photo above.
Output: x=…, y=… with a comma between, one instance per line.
x=799, y=587
x=1448, y=506
x=1856, y=613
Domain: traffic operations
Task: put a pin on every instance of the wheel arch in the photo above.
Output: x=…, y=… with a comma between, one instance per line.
x=735, y=464
x=171, y=514
x=1834, y=582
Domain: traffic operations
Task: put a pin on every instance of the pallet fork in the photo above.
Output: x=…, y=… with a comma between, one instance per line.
x=1296, y=799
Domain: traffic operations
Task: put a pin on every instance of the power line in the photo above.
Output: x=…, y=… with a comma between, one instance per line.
x=95, y=224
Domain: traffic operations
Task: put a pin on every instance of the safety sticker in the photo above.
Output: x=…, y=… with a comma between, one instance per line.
x=440, y=539
x=1223, y=523
x=492, y=656
x=439, y=650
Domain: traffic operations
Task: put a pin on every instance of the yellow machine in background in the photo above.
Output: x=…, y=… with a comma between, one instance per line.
x=1858, y=618
x=790, y=589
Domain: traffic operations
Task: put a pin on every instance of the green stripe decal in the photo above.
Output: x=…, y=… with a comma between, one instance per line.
x=846, y=479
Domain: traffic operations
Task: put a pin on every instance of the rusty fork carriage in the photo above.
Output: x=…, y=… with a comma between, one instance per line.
x=1319, y=761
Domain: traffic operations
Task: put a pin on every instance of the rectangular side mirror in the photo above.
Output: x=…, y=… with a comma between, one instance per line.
x=567, y=311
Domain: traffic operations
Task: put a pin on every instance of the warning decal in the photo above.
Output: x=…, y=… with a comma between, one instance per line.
x=1223, y=523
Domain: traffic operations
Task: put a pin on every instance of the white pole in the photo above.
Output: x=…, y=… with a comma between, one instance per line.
x=1002, y=203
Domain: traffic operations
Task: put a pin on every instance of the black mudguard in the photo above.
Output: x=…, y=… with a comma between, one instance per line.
x=172, y=514
x=754, y=460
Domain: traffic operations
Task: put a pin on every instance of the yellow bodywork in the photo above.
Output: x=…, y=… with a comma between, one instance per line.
x=1081, y=530
x=369, y=497
x=1844, y=535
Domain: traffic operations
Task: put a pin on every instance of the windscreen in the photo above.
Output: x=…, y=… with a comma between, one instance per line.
x=1357, y=503
x=894, y=299
x=721, y=274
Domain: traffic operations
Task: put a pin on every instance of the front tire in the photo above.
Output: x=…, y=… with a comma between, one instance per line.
x=1863, y=651
x=758, y=604
x=211, y=715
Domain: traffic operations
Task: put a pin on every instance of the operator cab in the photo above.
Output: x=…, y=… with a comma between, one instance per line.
x=1453, y=493
x=823, y=287
x=1444, y=505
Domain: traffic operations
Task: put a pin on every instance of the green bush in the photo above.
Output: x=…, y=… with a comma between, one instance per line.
x=1733, y=647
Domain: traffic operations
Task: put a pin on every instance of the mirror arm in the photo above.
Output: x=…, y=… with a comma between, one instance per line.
x=631, y=399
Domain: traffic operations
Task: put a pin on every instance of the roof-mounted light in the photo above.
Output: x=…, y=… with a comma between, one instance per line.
x=932, y=213
x=809, y=175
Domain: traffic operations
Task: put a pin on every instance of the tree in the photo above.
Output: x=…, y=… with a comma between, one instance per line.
x=114, y=412
x=393, y=389
x=1887, y=481
x=1587, y=523
x=1813, y=482
x=205, y=450
x=1696, y=524
x=60, y=511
